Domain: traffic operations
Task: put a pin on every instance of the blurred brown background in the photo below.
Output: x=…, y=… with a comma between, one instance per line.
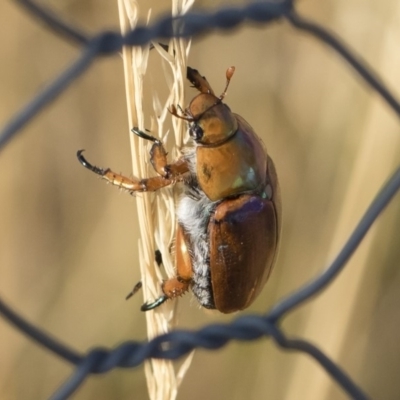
x=68, y=243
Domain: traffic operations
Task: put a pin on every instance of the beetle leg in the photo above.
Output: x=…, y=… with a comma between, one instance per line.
x=158, y=258
x=178, y=285
x=132, y=185
x=171, y=288
x=183, y=259
x=198, y=81
x=135, y=289
x=154, y=304
x=138, y=286
x=175, y=287
x=159, y=161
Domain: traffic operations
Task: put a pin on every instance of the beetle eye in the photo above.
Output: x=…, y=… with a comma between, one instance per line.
x=196, y=132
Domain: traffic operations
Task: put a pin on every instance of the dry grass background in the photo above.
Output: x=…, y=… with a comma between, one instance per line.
x=68, y=243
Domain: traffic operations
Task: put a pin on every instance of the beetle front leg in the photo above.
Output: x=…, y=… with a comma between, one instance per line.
x=132, y=185
x=158, y=158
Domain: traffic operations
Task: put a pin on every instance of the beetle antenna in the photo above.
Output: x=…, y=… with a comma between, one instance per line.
x=229, y=73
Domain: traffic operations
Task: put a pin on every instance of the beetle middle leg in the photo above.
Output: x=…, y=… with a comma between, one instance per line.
x=178, y=285
x=175, y=286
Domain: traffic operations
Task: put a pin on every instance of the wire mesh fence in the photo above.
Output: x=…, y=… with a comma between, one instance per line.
x=249, y=327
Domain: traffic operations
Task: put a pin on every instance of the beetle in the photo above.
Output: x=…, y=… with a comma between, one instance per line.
x=229, y=215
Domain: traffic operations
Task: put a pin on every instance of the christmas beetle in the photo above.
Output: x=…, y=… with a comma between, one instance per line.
x=229, y=215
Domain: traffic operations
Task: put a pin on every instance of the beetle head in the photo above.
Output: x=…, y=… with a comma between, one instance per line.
x=211, y=121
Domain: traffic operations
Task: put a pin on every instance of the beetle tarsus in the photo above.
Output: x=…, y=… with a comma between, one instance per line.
x=198, y=81
x=154, y=304
x=86, y=164
x=135, y=289
x=139, y=285
x=143, y=135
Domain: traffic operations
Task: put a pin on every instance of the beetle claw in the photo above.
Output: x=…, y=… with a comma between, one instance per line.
x=143, y=135
x=154, y=304
x=86, y=164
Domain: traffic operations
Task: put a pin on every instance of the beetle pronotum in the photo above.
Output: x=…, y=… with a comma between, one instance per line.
x=229, y=215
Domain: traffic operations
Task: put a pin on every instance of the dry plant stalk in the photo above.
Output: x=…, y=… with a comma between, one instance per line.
x=156, y=213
